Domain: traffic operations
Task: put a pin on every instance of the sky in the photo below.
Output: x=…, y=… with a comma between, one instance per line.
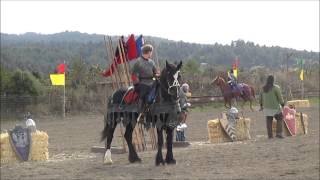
x=291, y=24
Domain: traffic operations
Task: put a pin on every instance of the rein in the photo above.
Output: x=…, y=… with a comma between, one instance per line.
x=175, y=83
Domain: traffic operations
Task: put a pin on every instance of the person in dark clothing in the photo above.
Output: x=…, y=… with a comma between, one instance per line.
x=232, y=80
x=144, y=73
x=271, y=102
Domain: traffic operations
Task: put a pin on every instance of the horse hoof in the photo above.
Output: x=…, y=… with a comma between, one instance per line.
x=108, y=162
x=171, y=161
x=159, y=162
x=134, y=160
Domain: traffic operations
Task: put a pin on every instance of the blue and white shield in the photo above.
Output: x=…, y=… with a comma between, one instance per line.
x=20, y=139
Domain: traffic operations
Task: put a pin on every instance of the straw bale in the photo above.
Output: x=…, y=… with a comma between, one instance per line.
x=39, y=148
x=299, y=103
x=218, y=135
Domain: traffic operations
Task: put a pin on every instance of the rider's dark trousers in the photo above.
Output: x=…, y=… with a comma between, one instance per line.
x=143, y=91
x=279, y=119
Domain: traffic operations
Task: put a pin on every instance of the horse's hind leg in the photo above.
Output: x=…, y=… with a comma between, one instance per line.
x=250, y=101
x=107, y=156
x=169, y=156
x=159, y=158
x=133, y=156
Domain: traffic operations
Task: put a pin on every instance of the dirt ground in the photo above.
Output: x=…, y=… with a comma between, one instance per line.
x=259, y=158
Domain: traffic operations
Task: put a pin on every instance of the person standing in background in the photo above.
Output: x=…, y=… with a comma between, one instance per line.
x=271, y=103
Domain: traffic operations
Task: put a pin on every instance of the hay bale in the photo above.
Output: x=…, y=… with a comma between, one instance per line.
x=299, y=103
x=39, y=147
x=7, y=155
x=38, y=152
x=218, y=135
x=300, y=129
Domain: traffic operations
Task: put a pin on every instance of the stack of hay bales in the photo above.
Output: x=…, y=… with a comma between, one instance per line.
x=299, y=103
x=38, y=152
x=7, y=155
x=301, y=128
x=39, y=147
x=218, y=135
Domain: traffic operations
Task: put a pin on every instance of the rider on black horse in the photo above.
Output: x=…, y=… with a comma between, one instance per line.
x=144, y=74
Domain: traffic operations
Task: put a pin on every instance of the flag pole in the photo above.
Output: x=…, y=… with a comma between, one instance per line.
x=125, y=60
x=116, y=68
x=113, y=79
x=64, y=93
x=110, y=66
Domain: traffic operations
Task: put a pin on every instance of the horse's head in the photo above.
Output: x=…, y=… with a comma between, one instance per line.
x=170, y=78
x=218, y=81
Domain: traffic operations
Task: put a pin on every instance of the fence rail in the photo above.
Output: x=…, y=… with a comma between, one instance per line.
x=208, y=99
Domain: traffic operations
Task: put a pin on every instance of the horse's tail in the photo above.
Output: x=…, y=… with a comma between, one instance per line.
x=253, y=93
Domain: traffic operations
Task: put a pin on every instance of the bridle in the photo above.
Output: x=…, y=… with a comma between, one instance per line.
x=174, y=84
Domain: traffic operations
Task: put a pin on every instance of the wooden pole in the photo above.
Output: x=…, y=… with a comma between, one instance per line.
x=119, y=73
x=110, y=66
x=122, y=64
x=125, y=60
x=64, y=94
x=287, y=75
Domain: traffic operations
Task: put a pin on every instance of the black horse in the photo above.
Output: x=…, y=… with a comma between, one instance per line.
x=162, y=114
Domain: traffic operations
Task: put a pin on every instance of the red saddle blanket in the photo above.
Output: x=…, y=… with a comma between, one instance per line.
x=130, y=97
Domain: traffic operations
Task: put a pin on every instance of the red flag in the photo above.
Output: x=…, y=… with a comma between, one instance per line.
x=117, y=58
x=108, y=72
x=236, y=63
x=132, y=48
x=61, y=68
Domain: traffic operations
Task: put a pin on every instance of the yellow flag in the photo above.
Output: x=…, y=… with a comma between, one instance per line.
x=57, y=79
x=235, y=72
x=301, y=75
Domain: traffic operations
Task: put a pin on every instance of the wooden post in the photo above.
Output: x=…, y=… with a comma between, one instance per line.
x=118, y=72
x=64, y=94
x=113, y=79
x=302, y=90
x=125, y=60
x=287, y=75
x=122, y=65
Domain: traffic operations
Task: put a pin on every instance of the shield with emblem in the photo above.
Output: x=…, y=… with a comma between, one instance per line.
x=20, y=139
x=290, y=120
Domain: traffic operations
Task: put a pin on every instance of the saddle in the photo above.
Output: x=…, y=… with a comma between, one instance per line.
x=130, y=96
x=237, y=88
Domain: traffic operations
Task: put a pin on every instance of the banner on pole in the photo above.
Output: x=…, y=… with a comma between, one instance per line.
x=301, y=75
x=57, y=79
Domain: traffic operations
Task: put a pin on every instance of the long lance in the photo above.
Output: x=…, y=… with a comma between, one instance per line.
x=125, y=60
x=110, y=66
x=113, y=57
x=122, y=62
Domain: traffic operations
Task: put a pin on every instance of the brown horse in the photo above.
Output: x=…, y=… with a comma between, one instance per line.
x=228, y=94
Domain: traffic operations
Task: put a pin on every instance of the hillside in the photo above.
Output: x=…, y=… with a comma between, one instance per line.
x=41, y=53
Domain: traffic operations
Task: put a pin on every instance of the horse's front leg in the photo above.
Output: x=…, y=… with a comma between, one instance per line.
x=133, y=156
x=159, y=158
x=169, y=156
x=225, y=103
x=109, y=130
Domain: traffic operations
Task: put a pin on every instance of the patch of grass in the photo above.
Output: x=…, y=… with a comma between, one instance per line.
x=314, y=100
x=207, y=106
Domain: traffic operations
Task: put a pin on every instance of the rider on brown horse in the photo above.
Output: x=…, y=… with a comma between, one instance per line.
x=233, y=82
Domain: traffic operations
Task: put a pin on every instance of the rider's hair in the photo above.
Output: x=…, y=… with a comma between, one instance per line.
x=269, y=84
x=146, y=48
